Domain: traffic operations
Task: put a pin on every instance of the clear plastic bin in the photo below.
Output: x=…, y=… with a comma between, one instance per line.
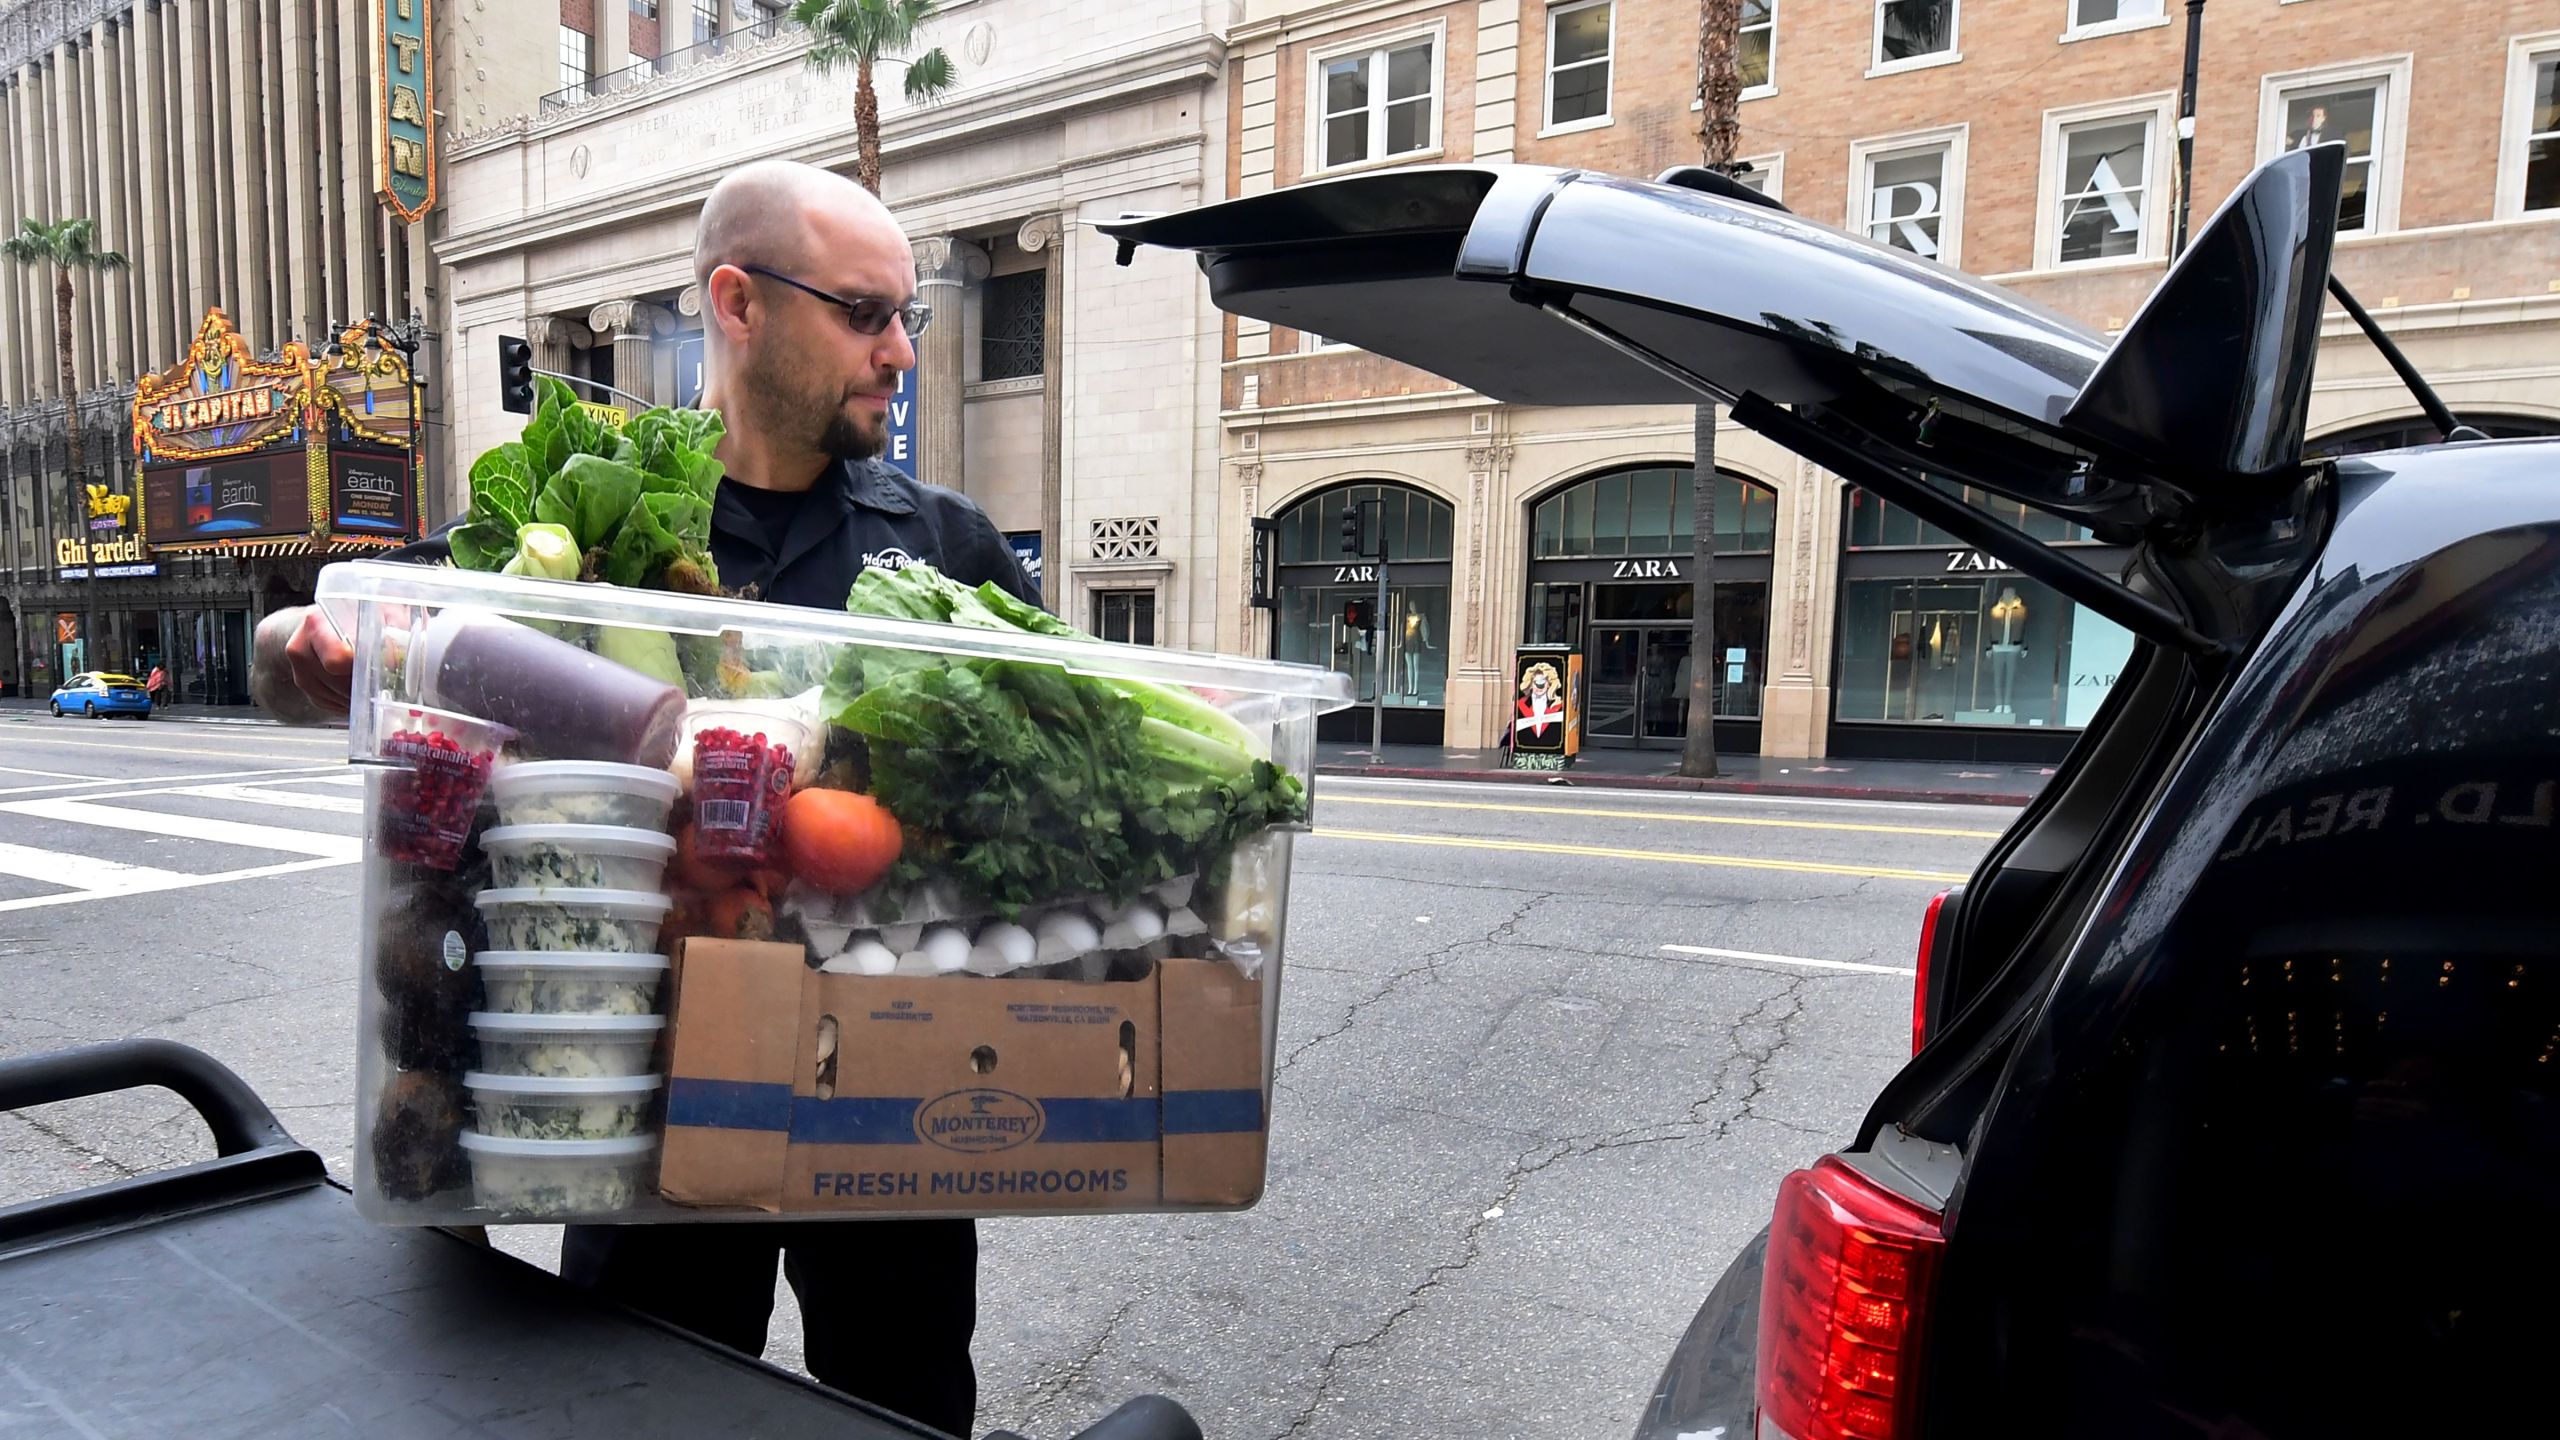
x=1182, y=936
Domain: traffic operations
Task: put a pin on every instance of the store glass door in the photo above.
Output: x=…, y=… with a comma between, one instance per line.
x=1637, y=687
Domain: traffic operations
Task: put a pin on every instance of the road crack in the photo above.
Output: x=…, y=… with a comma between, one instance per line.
x=1428, y=965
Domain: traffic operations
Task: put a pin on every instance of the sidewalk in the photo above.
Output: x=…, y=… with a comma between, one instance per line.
x=193, y=714
x=1940, y=781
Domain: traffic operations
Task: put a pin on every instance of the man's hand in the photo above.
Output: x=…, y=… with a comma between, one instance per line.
x=299, y=670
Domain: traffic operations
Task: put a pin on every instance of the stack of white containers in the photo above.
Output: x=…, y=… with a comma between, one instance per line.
x=564, y=1104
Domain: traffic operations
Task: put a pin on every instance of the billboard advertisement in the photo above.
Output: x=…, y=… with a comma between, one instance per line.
x=1546, y=711
x=369, y=493
x=235, y=499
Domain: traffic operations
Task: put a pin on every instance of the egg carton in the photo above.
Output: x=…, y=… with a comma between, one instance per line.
x=1090, y=938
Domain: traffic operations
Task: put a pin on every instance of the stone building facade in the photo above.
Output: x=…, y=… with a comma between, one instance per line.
x=1074, y=399
x=2031, y=141
x=225, y=147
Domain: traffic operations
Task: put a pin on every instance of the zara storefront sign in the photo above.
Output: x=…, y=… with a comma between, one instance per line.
x=1967, y=562
x=1355, y=574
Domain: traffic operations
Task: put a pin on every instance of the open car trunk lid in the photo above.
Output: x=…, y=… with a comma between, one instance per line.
x=1542, y=286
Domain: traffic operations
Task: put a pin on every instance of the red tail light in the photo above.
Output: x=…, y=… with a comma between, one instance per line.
x=1844, y=1302
x=1920, y=980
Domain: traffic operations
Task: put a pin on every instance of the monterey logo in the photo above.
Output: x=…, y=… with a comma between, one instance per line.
x=978, y=1122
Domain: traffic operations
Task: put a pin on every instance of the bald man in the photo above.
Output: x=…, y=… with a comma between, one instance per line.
x=809, y=321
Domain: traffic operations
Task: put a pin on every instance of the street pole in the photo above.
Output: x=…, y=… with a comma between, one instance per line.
x=1378, y=653
x=2187, y=127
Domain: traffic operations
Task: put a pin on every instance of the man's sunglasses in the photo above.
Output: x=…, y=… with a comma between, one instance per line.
x=868, y=315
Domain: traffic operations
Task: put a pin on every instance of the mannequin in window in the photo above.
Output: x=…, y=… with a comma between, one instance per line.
x=1417, y=639
x=2011, y=612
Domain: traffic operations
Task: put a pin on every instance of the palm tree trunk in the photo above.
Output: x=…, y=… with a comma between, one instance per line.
x=1719, y=129
x=71, y=478
x=866, y=128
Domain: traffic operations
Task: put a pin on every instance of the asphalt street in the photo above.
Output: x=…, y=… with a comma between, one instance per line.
x=1544, y=1055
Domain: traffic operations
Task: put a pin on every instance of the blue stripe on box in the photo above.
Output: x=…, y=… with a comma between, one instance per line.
x=1213, y=1112
x=729, y=1104
x=859, y=1120
x=1098, y=1122
x=854, y=1120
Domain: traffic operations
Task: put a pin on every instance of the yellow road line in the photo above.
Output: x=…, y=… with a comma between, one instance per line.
x=1668, y=857
x=1331, y=800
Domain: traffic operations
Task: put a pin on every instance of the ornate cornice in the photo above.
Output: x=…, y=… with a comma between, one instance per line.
x=1039, y=231
x=615, y=319
x=32, y=29
x=948, y=260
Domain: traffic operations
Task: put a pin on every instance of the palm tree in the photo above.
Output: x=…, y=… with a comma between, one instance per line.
x=67, y=246
x=865, y=33
x=1719, y=130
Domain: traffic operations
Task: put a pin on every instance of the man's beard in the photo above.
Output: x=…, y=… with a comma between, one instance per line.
x=804, y=412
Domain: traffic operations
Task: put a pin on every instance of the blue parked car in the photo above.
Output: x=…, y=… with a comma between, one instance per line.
x=102, y=692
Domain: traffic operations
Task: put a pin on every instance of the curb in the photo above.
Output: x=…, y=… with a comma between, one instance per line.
x=1594, y=780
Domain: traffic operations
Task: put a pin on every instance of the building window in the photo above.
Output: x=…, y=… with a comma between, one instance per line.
x=706, y=20
x=1877, y=524
x=1404, y=657
x=1579, y=47
x=645, y=9
x=2529, y=151
x=1766, y=174
x=1381, y=103
x=1908, y=195
x=1012, y=329
x=1649, y=512
x=2102, y=210
x=1121, y=538
x=1127, y=616
x=1993, y=648
x=2360, y=111
x=577, y=58
x=1758, y=60
x=1913, y=32
x=2099, y=17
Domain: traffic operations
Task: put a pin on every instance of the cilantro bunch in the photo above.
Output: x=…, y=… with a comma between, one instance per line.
x=1023, y=783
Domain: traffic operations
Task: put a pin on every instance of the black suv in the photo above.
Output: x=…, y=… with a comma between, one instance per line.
x=2235, y=1113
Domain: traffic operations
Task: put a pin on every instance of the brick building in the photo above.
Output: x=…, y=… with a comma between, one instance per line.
x=2031, y=141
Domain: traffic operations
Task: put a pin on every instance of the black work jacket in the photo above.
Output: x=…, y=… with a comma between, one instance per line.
x=860, y=514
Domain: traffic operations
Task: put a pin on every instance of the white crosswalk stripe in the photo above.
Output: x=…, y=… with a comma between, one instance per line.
x=79, y=878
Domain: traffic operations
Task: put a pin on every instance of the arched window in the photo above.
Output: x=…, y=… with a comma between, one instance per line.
x=1326, y=600
x=1417, y=525
x=1648, y=511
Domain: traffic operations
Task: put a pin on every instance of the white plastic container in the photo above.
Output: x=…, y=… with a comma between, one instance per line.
x=583, y=792
x=521, y=1107
x=566, y=1046
x=623, y=921
x=559, y=1179
x=570, y=982
x=577, y=857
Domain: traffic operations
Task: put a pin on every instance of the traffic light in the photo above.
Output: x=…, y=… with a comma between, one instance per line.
x=1359, y=614
x=1355, y=534
x=515, y=375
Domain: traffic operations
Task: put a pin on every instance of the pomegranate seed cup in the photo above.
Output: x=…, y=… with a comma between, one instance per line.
x=441, y=763
x=742, y=769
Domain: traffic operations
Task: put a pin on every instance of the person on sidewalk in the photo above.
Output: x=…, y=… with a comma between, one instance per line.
x=808, y=291
x=158, y=681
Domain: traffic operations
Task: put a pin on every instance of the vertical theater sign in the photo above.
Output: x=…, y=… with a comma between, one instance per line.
x=404, y=104
x=283, y=457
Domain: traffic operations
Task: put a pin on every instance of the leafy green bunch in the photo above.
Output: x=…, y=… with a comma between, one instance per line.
x=577, y=498
x=1026, y=783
